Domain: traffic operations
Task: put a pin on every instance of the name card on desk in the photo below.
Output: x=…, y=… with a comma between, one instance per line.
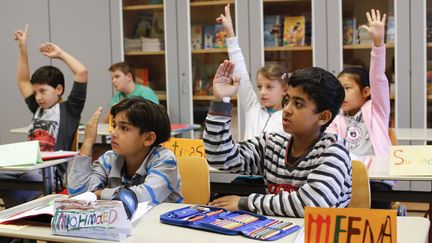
x=23, y=153
x=185, y=147
x=325, y=225
x=411, y=160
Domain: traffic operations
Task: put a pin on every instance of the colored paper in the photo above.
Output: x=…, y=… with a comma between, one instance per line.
x=411, y=160
x=23, y=153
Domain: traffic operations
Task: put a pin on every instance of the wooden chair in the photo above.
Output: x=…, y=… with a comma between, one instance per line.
x=195, y=179
x=361, y=195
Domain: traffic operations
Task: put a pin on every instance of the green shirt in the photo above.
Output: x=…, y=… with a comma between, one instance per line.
x=139, y=90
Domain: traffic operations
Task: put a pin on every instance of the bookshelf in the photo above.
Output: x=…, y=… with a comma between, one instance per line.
x=210, y=3
x=144, y=53
x=365, y=46
x=143, y=7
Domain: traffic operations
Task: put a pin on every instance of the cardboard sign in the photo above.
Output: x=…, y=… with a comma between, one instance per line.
x=411, y=160
x=185, y=147
x=23, y=153
x=325, y=225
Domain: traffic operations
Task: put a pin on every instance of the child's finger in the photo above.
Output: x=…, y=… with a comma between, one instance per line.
x=368, y=17
x=378, y=15
x=373, y=14
x=384, y=18
x=26, y=29
x=365, y=27
x=227, y=10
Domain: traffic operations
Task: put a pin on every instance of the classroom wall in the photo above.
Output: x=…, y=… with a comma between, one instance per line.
x=89, y=30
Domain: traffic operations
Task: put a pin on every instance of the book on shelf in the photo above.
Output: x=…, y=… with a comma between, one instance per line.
x=308, y=29
x=294, y=31
x=151, y=44
x=391, y=31
x=364, y=37
x=350, y=31
x=209, y=35
x=197, y=37
x=220, y=36
x=272, y=30
x=132, y=44
x=142, y=76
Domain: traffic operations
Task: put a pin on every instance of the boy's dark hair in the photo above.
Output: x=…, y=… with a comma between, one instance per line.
x=322, y=87
x=145, y=115
x=359, y=74
x=124, y=67
x=48, y=75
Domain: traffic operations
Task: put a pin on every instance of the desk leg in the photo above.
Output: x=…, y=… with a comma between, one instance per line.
x=47, y=180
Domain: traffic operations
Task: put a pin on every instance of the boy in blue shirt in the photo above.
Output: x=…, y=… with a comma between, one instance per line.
x=137, y=160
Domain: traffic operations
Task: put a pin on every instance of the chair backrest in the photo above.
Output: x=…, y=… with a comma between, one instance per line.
x=360, y=197
x=195, y=179
x=74, y=146
x=393, y=137
x=185, y=147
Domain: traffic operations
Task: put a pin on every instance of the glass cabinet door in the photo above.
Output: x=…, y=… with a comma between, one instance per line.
x=357, y=44
x=209, y=49
x=429, y=62
x=143, y=31
x=287, y=33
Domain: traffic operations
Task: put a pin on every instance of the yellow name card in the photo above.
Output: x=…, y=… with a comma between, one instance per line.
x=411, y=160
x=185, y=147
x=333, y=225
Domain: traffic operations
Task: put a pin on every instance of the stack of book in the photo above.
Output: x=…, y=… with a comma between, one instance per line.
x=151, y=44
x=132, y=44
x=364, y=37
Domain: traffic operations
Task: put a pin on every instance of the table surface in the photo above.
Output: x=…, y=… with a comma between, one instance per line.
x=37, y=166
x=149, y=229
x=414, y=134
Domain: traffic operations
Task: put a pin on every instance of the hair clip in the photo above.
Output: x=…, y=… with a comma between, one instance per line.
x=284, y=75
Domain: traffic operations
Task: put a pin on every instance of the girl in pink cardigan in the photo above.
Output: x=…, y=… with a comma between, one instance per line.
x=364, y=120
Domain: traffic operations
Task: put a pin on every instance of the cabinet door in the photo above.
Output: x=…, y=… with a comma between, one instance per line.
x=144, y=43
x=357, y=44
x=208, y=49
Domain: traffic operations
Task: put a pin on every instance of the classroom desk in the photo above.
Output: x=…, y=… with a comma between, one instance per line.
x=413, y=134
x=149, y=229
x=46, y=184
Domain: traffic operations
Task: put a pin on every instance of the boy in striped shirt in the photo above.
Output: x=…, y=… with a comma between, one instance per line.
x=136, y=160
x=305, y=167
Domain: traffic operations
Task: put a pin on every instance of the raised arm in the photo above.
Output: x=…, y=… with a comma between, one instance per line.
x=78, y=69
x=247, y=96
x=378, y=80
x=23, y=75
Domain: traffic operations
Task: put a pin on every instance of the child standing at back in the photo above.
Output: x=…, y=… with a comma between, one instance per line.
x=364, y=121
x=137, y=160
x=54, y=122
x=262, y=113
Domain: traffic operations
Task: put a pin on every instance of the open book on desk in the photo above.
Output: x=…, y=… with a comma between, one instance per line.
x=42, y=210
x=57, y=154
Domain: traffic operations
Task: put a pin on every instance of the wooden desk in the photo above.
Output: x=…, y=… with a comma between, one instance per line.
x=46, y=184
x=413, y=134
x=149, y=229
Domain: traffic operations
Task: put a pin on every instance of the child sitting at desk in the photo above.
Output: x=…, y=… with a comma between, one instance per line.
x=136, y=160
x=305, y=167
x=123, y=80
x=55, y=121
x=364, y=120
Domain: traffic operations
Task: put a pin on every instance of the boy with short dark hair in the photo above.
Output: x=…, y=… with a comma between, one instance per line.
x=123, y=80
x=305, y=167
x=137, y=159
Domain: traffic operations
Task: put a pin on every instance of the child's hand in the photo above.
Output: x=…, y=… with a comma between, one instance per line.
x=20, y=36
x=228, y=202
x=376, y=27
x=226, y=21
x=223, y=84
x=50, y=50
x=90, y=133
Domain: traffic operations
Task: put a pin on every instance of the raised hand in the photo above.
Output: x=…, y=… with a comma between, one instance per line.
x=223, y=83
x=90, y=133
x=20, y=36
x=50, y=50
x=376, y=26
x=226, y=21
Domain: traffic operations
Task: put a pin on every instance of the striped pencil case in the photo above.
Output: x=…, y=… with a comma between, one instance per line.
x=231, y=223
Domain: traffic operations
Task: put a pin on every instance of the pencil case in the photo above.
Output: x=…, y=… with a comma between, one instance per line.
x=220, y=220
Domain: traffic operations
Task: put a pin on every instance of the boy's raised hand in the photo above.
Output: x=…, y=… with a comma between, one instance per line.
x=20, y=36
x=90, y=133
x=50, y=50
x=376, y=28
x=223, y=83
x=226, y=21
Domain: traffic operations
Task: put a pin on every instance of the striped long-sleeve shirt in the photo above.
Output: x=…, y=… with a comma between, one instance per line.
x=320, y=178
x=157, y=180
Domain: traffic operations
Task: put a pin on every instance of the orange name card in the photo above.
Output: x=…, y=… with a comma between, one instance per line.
x=185, y=147
x=334, y=225
x=411, y=160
